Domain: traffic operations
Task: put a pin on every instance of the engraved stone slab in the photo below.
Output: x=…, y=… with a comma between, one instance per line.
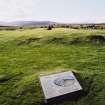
x=59, y=84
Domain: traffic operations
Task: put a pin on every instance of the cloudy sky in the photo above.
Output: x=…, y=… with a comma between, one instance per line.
x=53, y=10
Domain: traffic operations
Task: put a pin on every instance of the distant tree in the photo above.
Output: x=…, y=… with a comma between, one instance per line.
x=21, y=27
x=50, y=27
x=41, y=27
x=67, y=26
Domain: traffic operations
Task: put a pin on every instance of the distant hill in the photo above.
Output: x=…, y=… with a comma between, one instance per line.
x=27, y=23
x=30, y=24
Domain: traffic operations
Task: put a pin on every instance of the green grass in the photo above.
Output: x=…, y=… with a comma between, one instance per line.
x=27, y=54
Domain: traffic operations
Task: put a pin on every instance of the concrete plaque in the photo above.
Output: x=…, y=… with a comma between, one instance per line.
x=57, y=85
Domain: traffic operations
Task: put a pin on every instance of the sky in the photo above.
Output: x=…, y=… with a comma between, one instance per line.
x=72, y=11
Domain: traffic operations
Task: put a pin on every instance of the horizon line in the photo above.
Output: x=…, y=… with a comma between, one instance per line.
x=62, y=22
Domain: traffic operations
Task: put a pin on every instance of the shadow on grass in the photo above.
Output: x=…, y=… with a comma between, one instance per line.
x=93, y=39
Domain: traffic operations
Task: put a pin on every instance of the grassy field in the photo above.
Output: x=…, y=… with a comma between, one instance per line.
x=26, y=54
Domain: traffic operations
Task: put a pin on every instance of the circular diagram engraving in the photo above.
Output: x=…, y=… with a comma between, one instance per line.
x=64, y=81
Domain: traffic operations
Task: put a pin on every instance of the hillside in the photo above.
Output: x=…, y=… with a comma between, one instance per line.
x=27, y=23
x=26, y=54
